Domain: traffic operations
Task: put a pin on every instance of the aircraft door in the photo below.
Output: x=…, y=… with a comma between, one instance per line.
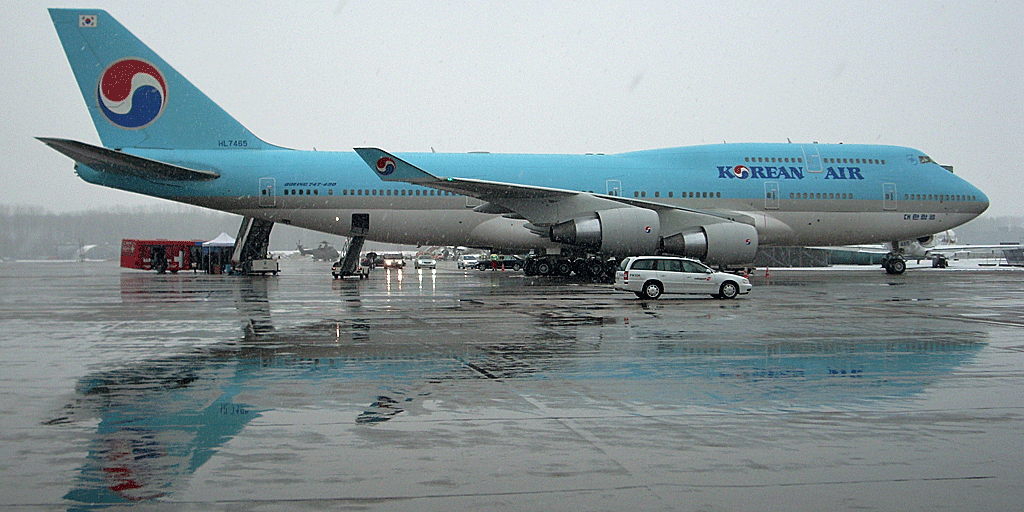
x=888, y=196
x=360, y=224
x=771, y=195
x=813, y=158
x=268, y=195
x=613, y=188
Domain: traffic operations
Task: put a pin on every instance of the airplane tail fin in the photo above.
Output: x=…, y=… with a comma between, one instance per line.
x=135, y=98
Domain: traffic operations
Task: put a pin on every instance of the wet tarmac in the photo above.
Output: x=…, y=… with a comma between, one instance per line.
x=468, y=390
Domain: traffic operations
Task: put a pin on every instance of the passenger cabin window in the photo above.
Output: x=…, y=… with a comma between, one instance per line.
x=670, y=265
x=643, y=265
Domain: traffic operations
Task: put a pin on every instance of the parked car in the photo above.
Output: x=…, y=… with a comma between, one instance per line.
x=467, y=261
x=502, y=262
x=425, y=262
x=651, y=276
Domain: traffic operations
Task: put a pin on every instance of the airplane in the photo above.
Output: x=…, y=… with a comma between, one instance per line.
x=939, y=248
x=162, y=137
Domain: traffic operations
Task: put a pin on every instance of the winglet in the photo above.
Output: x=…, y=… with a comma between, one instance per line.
x=391, y=168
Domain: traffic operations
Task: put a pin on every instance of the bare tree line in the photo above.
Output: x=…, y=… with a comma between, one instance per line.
x=32, y=232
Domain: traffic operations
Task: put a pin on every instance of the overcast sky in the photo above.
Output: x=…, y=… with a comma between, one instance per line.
x=549, y=77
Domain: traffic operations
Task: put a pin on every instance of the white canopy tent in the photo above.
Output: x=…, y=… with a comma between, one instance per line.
x=223, y=240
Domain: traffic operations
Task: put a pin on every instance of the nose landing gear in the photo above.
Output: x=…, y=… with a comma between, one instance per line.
x=894, y=264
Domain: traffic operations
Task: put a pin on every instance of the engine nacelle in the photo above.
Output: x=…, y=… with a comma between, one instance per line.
x=726, y=243
x=945, y=237
x=615, y=232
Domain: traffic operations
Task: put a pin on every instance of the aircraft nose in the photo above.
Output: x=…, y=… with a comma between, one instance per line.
x=982, y=202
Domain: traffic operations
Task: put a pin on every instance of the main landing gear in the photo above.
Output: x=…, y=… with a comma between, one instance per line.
x=587, y=268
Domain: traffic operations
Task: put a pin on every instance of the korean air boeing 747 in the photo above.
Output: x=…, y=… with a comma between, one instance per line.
x=162, y=137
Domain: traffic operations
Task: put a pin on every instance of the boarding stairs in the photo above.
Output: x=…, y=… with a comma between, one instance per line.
x=348, y=264
x=251, y=247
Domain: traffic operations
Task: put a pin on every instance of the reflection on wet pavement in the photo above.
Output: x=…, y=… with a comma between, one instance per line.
x=465, y=389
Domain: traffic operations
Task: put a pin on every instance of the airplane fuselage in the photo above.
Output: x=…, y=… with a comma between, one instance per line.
x=796, y=194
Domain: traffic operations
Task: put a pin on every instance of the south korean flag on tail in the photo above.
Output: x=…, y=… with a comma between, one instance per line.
x=86, y=20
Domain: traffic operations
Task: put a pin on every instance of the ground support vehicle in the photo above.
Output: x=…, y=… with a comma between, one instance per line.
x=161, y=255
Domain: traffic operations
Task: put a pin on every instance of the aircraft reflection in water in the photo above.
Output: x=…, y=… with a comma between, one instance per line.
x=160, y=420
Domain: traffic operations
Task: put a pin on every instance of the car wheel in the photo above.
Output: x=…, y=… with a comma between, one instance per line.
x=729, y=290
x=652, y=290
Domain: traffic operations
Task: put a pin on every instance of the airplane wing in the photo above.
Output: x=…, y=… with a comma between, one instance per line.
x=542, y=206
x=913, y=250
x=969, y=251
x=116, y=162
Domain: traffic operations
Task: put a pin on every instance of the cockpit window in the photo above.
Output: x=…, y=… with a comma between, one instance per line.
x=926, y=160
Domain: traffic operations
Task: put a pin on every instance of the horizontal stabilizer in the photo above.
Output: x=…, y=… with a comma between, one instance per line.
x=392, y=168
x=116, y=162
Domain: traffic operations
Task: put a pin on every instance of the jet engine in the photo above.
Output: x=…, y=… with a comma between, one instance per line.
x=945, y=237
x=725, y=243
x=619, y=231
x=919, y=247
x=633, y=231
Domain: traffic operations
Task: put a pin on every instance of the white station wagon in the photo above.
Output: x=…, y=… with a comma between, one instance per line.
x=651, y=276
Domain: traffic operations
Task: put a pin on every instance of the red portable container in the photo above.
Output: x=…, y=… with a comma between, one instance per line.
x=161, y=255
